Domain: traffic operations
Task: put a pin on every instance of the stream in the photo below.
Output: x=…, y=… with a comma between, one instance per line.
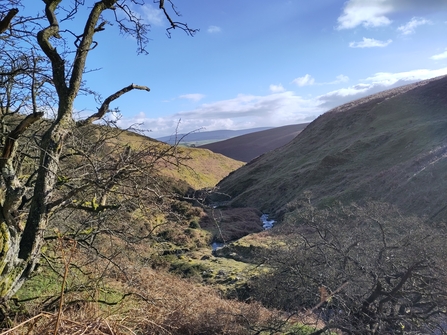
x=266, y=223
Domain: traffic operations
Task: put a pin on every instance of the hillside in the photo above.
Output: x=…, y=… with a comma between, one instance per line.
x=247, y=147
x=203, y=137
x=203, y=168
x=391, y=146
x=200, y=168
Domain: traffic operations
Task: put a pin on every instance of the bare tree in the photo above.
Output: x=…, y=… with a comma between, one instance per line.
x=29, y=204
x=364, y=270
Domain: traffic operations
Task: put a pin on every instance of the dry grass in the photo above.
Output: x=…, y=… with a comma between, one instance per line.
x=158, y=303
x=128, y=297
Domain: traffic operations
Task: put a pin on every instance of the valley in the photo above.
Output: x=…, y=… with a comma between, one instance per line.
x=364, y=184
x=319, y=208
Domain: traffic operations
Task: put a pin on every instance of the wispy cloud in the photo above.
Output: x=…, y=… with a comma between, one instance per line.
x=340, y=79
x=151, y=15
x=410, y=27
x=193, y=97
x=442, y=55
x=378, y=82
x=276, y=88
x=366, y=13
x=370, y=43
x=243, y=111
x=375, y=13
x=244, y=105
x=389, y=78
x=214, y=29
x=307, y=80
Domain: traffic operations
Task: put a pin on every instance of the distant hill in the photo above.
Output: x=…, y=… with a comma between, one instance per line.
x=246, y=147
x=203, y=137
x=391, y=146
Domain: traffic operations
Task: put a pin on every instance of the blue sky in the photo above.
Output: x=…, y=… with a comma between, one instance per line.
x=266, y=63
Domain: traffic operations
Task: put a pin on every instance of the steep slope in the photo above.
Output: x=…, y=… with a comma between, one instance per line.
x=247, y=147
x=391, y=146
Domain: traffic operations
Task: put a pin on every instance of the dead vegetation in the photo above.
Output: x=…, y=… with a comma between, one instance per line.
x=155, y=302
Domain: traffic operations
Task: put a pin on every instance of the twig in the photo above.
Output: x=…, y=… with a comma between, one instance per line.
x=328, y=297
x=25, y=322
x=64, y=281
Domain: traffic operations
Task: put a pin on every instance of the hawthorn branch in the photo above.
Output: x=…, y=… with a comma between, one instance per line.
x=43, y=38
x=6, y=21
x=173, y=24
x=8, y=149
x=105, y=105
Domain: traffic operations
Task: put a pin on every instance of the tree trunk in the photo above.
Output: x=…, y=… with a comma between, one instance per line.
x=20, y=249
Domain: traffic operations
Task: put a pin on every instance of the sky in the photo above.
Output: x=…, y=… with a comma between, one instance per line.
x=264, y=63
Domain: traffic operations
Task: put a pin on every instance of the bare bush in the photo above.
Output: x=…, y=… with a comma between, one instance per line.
x=364, y=270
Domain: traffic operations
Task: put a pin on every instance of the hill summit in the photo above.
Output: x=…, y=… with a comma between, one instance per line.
x=391, y=146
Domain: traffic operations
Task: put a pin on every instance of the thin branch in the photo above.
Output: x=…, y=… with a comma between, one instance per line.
x=105, y=105
x=8, y=150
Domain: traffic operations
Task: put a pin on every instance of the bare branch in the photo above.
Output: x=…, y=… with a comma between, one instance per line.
x=105, y=105
x=15, y=134
x=6, y=21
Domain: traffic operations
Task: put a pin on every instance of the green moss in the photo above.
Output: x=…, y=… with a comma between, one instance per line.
x=188, y=269
x=9, y=278
x=44, y=283
x=194, y=224
x=299, y=329
x=4, y=244
x=4, y=237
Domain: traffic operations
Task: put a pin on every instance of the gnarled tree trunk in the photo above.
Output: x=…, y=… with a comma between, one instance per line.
x=20, y=240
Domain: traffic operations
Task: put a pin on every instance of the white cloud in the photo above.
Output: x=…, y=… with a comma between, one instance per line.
x=389, y=78
x=307, y=80
x=366, y=13
x=152, y=15
x=243, y=111
x=272, y=105
x=376, y=83
x=341, y=79
x=338, y=80
x=348, y=91
x=375, y=13
x=369, y=43
x=214, y=29
x=276, y=88
x=193, y=97
x=442, y=55
x=409, y=28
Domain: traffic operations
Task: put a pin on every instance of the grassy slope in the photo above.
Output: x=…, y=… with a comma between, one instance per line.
x=247, y=147
x=202, y=168
x=390, y=147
